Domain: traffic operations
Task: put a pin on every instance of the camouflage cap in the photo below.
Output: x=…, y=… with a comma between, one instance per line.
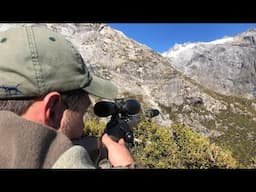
x=36, y=60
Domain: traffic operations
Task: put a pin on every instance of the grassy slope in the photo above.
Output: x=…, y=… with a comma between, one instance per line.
x=239, y=127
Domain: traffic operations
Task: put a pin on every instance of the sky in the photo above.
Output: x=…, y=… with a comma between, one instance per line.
x=162, y=36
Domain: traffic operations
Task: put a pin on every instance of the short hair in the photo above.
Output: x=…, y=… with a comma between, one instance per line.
x=20, y=106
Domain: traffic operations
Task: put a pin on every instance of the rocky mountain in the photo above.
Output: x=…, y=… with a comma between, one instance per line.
x=227, y=65
x=178, y=91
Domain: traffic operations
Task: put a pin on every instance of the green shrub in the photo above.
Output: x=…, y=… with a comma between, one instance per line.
x=178, y=147
x=93, y=127
x=174, y=147
x=197, y=151
x=154, y=147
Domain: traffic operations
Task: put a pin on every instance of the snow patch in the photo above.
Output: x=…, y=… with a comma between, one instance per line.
x=179, y=48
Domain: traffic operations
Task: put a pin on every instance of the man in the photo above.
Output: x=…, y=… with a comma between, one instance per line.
x=44, y=87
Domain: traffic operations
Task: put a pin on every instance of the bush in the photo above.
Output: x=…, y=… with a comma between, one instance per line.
x=93, y=127
x=197, y=151
x=173, y=147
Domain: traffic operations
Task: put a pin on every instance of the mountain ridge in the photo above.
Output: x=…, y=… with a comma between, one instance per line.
x=228, y=67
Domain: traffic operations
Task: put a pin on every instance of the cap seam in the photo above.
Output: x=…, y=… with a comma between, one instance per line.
x=88, y=78
x=35, y=60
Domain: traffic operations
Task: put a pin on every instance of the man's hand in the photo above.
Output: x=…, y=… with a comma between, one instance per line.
x=118, y=154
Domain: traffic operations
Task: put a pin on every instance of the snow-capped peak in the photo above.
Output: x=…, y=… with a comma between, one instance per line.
x=178, y=48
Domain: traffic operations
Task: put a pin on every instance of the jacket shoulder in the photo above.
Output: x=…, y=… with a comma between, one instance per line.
x=75, y=157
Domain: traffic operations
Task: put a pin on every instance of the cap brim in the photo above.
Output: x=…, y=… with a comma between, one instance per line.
x=101, y=88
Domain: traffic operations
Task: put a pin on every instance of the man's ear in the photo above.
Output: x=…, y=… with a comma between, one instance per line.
x=53, y=109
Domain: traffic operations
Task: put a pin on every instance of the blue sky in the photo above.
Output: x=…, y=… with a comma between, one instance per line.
x=162, y=36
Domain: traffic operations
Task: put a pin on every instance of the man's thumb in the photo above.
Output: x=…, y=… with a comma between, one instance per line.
x=106, y=139
x=121, y=141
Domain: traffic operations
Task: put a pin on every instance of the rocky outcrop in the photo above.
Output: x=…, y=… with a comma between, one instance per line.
x=227, y=66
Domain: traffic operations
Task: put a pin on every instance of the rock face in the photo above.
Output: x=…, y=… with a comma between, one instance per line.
x=227, y=66
x=202, y=99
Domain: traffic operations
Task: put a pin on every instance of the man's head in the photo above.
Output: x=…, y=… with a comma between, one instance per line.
x=35, y=61
x=41, y=70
